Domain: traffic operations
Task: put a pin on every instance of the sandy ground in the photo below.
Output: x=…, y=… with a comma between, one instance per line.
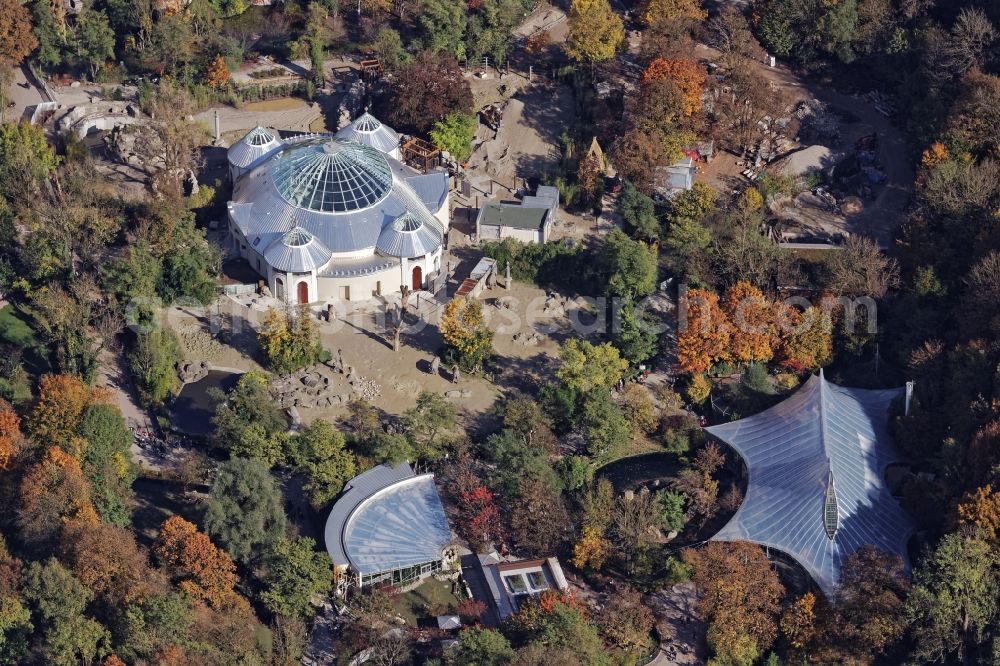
x=528, y=329
x=24, y=96
x=291, y=114
x=527, y=143
x=879, y=217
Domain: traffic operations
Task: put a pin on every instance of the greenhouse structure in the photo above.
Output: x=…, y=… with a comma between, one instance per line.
x=388, y=527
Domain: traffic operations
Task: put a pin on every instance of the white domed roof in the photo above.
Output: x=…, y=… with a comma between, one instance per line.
x=342, y=194
x=297, y=251
x=407, y=236
x=368, y=130
x=257, y=143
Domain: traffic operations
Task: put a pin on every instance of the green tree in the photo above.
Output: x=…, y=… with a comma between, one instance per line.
x=575, y=472
x=586, y=366
x=25, y=160
x=639, y=213
x=107, y=462
x=671, y=506
x=442, y=24
x=454, y=134
x=604, y=425
x=152, y=360
x=93, y=40
x=290, y=340
x=297, y=572
x=388, y=46
x=430, y=424
x=315, y=38
x=595, y=31
x=248, y=422
x=482, y=647
x=633, y=332
x=15, y=629
x=51, y=40
x=244, y=513
x=59, y=600
x=319, y=453
x=628, y=266
x=954, y=602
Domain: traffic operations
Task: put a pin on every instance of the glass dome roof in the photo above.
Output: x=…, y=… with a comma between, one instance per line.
x=333, y=176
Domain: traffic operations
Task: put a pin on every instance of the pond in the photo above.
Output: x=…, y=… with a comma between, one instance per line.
x=634, y=471
x=193, y=408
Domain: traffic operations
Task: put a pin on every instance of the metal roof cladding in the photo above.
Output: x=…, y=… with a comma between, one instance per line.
x=258, y=142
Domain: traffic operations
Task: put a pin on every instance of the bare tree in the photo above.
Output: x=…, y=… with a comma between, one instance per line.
x=169, y=140
x=745, y=109
x=861, y=269
x=729, y=32
x=971, y=36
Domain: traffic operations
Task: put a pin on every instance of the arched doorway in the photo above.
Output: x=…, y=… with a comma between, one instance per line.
x=279, y=288
x=303, y=292
x=418, y=278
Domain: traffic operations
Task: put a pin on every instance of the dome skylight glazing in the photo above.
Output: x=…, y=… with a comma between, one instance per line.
x=297, y=237
x=259, y=136
x=334, y=176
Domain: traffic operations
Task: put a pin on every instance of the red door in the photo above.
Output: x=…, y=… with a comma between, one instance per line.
x=418, y=279
x=303, y=292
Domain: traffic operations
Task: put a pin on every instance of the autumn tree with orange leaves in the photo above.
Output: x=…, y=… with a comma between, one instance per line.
x=205, y=571
x=982, y=509
x=686, y=75
x=11, y=438
x=655, y=11
x=740, y=596
x=751, y=319
x=107, y=560
x=806, y=342
x=62, y=400
x=54, y=492
x=703, y=334
x=217, y=75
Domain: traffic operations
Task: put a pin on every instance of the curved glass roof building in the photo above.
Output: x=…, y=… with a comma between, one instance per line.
x=326, y=218
x=816, y=489
x=388, y=526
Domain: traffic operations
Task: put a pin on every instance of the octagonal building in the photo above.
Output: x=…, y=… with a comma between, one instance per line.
x=323, y=218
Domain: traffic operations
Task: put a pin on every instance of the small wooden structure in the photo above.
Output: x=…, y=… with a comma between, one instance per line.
x=417, y=152
x=372, y=69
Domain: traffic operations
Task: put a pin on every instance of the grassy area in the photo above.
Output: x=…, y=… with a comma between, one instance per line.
x=430, y=599
x=15, y=330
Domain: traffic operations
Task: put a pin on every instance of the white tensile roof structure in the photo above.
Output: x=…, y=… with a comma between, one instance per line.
x=815, y=487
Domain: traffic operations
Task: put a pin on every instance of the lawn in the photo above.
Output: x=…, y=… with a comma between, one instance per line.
x=15, y=330
x=430, y=599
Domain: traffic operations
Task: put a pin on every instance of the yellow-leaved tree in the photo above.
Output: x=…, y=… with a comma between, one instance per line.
x=587, y=366
x=654, y=11
x=465, y=332
x=595, y=31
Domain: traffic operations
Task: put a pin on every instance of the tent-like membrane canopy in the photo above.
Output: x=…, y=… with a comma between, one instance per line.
x=815, y=487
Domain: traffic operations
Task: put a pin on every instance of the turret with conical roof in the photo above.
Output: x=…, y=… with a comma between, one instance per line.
x=251, y=150
x=368, y=130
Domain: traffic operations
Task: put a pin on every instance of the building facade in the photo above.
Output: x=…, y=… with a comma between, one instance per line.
x=324, y=218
